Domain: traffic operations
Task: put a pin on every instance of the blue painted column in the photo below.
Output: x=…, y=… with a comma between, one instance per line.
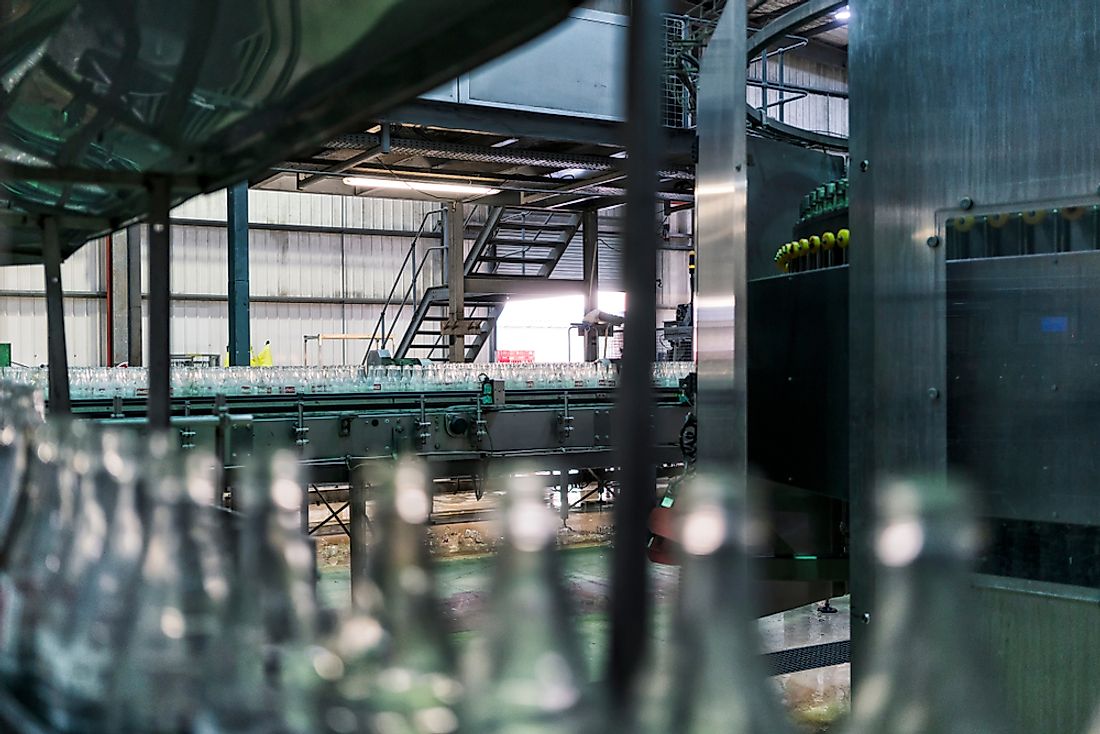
x=237, y=222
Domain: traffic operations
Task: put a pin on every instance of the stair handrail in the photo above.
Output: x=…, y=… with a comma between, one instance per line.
x=380, y=324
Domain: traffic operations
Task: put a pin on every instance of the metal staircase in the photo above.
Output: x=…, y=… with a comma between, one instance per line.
x=425, y=339
x=524, y=243
x=515, y=253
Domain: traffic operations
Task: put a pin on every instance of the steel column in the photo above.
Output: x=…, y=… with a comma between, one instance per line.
x=453, y=230
x=118, y=286
x=55, y=320
x=634, y=409
x=590, y=227
x=237, y=223
x=133, y=296
x=160, y=254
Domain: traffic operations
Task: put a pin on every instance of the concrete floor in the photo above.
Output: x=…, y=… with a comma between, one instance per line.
x=816, y=698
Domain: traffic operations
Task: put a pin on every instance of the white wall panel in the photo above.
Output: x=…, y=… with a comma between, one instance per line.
x=814, y=112
x=81, y=273
x=321, y=210
x=23, y=323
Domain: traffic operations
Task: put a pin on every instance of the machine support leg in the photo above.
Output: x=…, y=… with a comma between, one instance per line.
x=634, y=408
x=453, y=230
x=60, y=403
x=237, y=222
x=590, y=234
x=160, y=257
x=359, y=529
x=563, y=495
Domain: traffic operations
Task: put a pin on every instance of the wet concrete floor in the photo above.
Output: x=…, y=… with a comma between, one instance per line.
x=815, y=698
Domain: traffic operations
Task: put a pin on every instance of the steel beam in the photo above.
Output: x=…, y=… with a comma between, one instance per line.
x=634, y=408
x=527, y=124
x=55, y=320
x=237, y=223
x=160, y=254
x=521, y=286
x=590, y=227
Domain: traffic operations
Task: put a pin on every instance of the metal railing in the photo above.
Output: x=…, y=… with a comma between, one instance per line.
x=381, y=334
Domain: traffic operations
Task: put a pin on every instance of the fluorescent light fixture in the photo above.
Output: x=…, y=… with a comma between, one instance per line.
x=424, y=187
x=844, y=14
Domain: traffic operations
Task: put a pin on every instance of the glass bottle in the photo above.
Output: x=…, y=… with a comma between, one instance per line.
x=389, y=664
x=177, y=609
x=713, y=680
x=254, y=676
x=925, y=674
x=31, y=557
x=526, y=674
x=81, y=639
x=20, y=413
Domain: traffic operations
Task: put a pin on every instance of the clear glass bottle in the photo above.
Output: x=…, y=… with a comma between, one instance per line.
x=526, y=674
x=20, y=413
x=177, y=609
x=925, y=674
x=80, y=640
x=389, y=665
x=255, y=676
x=31, y=560
x=712, y=680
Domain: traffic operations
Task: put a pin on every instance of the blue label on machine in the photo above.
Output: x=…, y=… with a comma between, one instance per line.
x=1054, y=324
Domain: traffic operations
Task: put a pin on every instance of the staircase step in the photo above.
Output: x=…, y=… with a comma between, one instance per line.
x=518, y=260
x=509, y=242
x=565, y=227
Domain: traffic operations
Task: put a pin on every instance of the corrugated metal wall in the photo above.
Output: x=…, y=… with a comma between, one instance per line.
x=815, y=111
x=325, y=268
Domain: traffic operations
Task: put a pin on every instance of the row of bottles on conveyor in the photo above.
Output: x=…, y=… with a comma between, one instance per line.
x=821, y=237
x=133, y=382
x=826, y=199
x=130, y=604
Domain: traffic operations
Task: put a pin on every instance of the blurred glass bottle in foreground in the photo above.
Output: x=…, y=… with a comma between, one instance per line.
x=255, y=677
x=20, y=413
x=177, y=607
x=714, y=682
x=78, y=641
x=389, y=665
x=31, y=556
x=525, y=672
x=926, y=674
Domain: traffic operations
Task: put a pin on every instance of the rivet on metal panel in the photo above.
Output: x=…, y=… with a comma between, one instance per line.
x=966, y=203
x=933, y=394
x=934, y=241
x=864, y=166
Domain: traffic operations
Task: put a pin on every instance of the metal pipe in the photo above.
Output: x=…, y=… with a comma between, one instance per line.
x=629, y=583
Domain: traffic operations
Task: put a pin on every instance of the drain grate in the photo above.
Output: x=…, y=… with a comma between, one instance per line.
x=807, y=658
